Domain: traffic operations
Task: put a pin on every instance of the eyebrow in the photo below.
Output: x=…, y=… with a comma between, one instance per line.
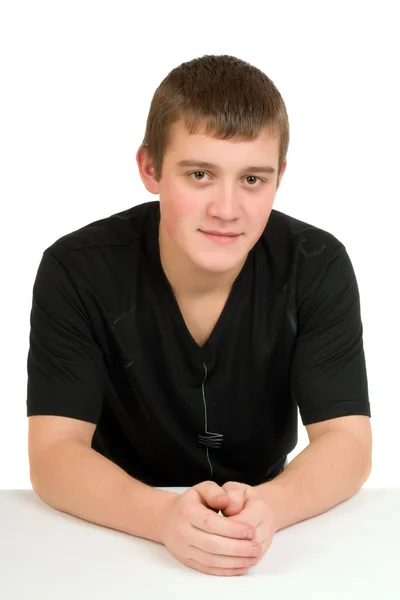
x=208, y=165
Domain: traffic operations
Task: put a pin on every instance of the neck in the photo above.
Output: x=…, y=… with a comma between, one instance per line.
x=187, y=279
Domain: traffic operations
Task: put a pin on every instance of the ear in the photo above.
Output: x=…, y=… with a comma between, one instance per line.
x=147, y=171
x=281, y=174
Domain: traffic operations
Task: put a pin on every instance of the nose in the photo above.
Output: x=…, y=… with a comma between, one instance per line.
x=225, y=204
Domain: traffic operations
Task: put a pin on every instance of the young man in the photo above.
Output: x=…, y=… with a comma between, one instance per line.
x=172, y=343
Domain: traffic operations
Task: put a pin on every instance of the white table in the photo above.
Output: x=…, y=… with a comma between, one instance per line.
x=350, y=552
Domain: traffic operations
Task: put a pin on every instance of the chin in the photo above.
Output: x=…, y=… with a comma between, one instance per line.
x=217, y=264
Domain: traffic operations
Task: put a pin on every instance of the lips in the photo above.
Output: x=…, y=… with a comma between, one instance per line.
x=223, y=239
x=221, y=233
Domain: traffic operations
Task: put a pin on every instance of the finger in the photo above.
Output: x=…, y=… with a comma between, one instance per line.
x=193, y=564
x=260, y=533
x=222, y=546
x=236, y=494
x=252, y=513
x=264, y=536
x=265, y=545
x=206, y=520
x=212, y=494
x=221, y=561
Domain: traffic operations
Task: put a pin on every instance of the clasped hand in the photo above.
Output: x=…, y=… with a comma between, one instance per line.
x=227, y=544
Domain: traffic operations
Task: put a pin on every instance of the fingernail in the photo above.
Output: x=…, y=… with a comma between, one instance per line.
x=255, y=551
x=220, y=496
x=233, y=505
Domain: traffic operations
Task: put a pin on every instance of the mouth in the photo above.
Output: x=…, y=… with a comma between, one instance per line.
x=221, y=238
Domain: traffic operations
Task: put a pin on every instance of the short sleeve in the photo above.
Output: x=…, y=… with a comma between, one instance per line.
x=328, y=372
x=65, y=364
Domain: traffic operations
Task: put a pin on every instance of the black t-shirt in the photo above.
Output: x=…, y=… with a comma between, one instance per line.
x=109, y=345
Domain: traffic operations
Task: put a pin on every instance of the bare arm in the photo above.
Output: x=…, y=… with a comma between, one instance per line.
x=70, y=476
x=330, y=470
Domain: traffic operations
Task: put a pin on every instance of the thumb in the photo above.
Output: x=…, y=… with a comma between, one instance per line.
x=212, y=495
x=236, y=494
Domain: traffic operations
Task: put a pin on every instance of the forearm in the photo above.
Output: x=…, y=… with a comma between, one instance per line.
x=75, y=479
x=330, y=470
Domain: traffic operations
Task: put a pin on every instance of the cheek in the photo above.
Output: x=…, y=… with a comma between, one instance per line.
x=178, y=209
x=260, y=218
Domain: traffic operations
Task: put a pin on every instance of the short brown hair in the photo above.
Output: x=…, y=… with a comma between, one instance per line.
x=226, y=95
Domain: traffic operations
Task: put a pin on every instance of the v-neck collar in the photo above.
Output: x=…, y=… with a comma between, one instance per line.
x=236, y=297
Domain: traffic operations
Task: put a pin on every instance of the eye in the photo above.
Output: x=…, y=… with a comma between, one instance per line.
x=253, y=177
x=196, y=173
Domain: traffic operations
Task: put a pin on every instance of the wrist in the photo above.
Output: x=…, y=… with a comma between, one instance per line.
x=165, y=501
x=263, y=491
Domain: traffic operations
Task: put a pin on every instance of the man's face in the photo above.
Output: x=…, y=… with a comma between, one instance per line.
x=227, y=198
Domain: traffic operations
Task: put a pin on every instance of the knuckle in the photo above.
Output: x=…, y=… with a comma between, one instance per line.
x=204, y=484
x=231, y=563
x=242, y=550
x=190, y=493
x=219, y=570
x=230, y=486
x=245, y=563
x=230, y=572
x=211, y=547
x=187, y=511
x=212, y=561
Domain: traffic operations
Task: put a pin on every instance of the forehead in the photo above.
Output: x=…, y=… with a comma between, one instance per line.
x=181, y=140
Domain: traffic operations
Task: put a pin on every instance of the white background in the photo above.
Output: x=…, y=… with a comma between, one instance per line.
x=77, y=79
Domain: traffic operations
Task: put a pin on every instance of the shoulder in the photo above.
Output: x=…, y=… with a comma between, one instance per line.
x=102, y=262
x=298, y=251
x=102, y=258
x=303, y=261
x=286, y=234
x=119, y=229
